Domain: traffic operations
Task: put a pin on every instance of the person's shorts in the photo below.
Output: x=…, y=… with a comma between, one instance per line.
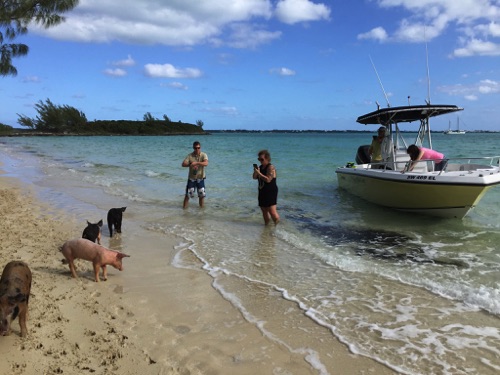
x=199, y=185
x=439, y=166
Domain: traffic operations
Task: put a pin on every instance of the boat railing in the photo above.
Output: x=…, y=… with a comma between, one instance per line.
x=379, y=165
x=428, y=165
x=454, y=164
x=471, y=164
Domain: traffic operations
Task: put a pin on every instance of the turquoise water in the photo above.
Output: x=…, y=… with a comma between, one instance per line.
x=419, y=294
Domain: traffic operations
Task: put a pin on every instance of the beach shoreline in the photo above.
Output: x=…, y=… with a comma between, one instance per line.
x=152, y=318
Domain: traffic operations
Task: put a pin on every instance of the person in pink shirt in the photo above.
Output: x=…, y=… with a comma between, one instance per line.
x=421, y=153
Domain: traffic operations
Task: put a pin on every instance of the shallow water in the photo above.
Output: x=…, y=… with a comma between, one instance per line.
x=419, y=294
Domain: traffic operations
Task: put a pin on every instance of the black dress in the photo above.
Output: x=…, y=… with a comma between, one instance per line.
x=268, y=191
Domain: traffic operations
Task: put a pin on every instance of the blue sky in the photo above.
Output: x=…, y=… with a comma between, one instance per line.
x=263, y=64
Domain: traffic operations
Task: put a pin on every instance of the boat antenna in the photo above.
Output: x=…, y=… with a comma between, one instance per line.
x=428, y=101
x=379, y=81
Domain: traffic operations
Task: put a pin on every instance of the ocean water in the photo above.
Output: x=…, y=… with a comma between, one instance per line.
x=418, y=294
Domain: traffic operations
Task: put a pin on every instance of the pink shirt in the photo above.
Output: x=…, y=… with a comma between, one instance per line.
x=431, y=154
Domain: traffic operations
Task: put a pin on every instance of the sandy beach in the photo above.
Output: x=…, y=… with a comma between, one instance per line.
x=77, y=326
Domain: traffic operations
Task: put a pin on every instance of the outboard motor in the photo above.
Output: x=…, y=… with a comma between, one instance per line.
x=362, y=156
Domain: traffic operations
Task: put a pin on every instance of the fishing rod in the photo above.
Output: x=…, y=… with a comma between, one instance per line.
x=428, y=75
x=380, y=81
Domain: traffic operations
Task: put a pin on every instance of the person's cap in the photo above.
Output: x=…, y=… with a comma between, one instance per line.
x=381, y=129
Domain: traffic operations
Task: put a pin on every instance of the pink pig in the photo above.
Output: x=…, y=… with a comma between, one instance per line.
x=81, y=248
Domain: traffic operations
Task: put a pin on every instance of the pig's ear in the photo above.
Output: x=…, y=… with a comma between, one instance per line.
x=121, y=255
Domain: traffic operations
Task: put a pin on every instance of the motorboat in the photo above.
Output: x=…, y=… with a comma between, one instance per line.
x=454, y=132
x=451, y=192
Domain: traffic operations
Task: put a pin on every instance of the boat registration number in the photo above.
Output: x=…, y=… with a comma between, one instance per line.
x=413, y=177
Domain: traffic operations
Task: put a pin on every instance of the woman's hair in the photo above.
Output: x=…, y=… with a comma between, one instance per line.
x=266, y=154
x=413, y=151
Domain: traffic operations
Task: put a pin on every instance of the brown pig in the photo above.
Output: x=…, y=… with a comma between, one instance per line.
x=15, y=286
x=81, y=248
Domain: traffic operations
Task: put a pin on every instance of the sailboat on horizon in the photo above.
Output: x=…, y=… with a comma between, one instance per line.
x=457, y=131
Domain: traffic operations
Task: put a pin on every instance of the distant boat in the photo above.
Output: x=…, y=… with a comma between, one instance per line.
x=452, y=132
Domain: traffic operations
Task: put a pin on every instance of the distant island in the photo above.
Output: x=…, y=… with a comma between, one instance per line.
x=127, y=127
x=66, y=120
x=111, y=127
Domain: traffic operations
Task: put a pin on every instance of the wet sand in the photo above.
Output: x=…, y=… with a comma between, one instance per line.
x=152, y=318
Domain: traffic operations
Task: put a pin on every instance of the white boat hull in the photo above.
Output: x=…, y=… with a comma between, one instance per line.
x=447, y=187
x=444, y=194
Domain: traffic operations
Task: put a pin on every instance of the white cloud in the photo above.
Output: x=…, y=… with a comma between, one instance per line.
x=223, y=111
x=478, y=47
x=129, y=61
x=294, y=11
x=486, y=30
x=115, y=72
x=476, y=20
x=180, y=23
x=283, y=71
x=473, y=91
x=248, y=36
x=31, y=79
x=170, y=71
x=418, y=32
x=377, y=33
x=488, y=86
x=471, y=98
x=176, y=85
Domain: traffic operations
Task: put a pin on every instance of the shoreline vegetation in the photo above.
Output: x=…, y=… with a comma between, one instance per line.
x=65, y=120
x=112, y=128
x=179, y=129
x=53, y=119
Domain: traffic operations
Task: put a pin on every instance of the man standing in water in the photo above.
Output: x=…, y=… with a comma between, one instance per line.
x=196, y=161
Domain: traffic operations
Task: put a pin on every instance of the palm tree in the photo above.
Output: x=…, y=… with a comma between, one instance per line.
x=15, y=16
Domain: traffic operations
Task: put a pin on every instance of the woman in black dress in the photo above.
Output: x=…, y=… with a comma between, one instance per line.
x=268, y=190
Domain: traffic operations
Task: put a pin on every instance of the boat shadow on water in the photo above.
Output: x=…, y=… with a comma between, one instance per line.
x=376, y=243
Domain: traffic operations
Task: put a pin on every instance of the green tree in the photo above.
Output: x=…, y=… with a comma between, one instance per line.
x=5, y=129
x=55, y=118
x=200, y=123
x=16, y=16
x=149, y=118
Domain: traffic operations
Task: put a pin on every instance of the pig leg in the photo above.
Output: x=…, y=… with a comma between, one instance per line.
x=97, y=268
x=118, y=226
x=72, y=268
x=22, y=320
x=104, y=273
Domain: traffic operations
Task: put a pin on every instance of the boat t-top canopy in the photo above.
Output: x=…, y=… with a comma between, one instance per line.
x=394, y=115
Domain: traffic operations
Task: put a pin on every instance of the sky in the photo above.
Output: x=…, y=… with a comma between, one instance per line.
x=263, y=64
